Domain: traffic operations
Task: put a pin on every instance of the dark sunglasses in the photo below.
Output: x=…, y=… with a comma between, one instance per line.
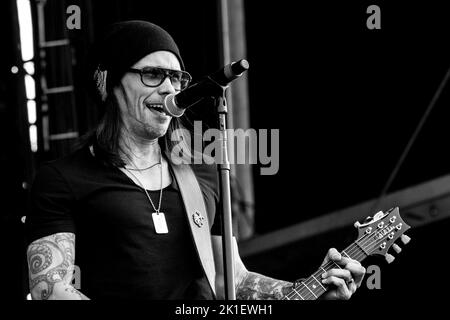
x=154, y=76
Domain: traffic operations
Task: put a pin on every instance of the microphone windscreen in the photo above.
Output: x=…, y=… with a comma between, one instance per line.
x=170, y=106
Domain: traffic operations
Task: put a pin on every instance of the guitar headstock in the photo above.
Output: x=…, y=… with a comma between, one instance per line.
x=378, y=234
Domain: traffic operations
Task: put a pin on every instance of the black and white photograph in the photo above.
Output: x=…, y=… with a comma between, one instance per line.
x=225, y=158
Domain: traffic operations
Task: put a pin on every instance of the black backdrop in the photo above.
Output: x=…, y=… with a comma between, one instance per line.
x=347, y=100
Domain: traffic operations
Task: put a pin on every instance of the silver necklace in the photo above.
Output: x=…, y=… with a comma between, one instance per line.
x=159, y=219
x=142, y=169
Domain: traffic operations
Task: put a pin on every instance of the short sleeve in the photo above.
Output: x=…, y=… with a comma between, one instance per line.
x=52, y=203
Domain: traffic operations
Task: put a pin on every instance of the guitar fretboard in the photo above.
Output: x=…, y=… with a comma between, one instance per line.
x=312, y=288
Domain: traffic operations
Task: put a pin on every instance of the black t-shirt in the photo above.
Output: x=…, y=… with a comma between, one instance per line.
x=118, y=253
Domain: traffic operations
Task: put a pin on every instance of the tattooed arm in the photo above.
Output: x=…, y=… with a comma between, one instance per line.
x=249, y=285
x=50, y=266
x=255, y=286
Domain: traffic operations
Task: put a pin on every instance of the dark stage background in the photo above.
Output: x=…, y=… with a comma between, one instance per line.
x=345, y=99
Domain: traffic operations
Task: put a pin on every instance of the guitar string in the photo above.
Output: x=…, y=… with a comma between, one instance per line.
x=350, y=251
x=310, y=295
x=325, y=267
x=371, y=236
x=307, y=293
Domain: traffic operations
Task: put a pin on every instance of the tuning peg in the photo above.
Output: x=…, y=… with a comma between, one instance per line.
x=396, y=248
x=368, y=219
x=357, y=224
x=389, y=257
x=405, y=239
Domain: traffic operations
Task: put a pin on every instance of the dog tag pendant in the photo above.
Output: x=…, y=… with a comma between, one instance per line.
x=159, y=221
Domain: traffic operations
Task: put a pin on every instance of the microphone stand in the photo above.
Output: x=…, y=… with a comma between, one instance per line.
x=220, y=102
x=224, y=177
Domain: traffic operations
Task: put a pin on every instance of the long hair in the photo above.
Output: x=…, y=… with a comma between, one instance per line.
x=105, y=137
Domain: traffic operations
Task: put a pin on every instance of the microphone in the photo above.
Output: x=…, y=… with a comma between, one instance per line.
x=175, y=103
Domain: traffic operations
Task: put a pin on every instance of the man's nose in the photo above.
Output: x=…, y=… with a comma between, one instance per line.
x=166, y=87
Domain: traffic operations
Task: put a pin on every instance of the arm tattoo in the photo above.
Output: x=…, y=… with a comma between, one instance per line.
x=74, y=291
x=50, y=260
x=258, y=287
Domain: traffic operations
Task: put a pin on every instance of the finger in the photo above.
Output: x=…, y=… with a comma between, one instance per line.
x=352, y=286
x=331, y=295
x=343, y=261
x=357, y=271
x=346, y=261
x=343, y=291
x=332, y=255
x=339, y=273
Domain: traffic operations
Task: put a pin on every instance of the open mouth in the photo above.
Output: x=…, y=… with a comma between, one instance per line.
x=156, y=106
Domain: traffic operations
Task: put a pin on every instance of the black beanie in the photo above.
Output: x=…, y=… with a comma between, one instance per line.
x=124, y=44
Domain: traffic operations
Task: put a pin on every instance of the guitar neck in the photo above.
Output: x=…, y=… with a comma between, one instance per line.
x=312, y=287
